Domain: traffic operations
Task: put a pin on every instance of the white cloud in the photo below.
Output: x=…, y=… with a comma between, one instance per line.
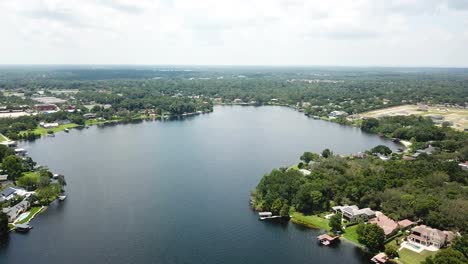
x=299, y=32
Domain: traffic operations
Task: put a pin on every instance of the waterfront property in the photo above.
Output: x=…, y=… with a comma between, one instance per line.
x=353, y=213
x=326, y=239
x=14, y=211
x=430, y=237
x=380, y=258
x=388, y=225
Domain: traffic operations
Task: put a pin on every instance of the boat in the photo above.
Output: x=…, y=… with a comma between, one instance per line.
x=62, y=197
x=23, y=227
x=51, y=135
x=66, y=130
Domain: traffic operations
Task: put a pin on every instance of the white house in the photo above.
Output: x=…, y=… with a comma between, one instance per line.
x=353, y=213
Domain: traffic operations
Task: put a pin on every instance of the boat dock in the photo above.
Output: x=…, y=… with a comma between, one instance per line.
x=269, y=215
x=326, y=239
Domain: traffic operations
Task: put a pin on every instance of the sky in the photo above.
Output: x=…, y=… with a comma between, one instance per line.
x=432, y=33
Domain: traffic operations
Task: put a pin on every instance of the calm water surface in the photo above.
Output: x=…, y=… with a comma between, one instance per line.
x=177, y=191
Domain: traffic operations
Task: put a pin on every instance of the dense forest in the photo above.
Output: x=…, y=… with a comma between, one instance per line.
x=351, y=89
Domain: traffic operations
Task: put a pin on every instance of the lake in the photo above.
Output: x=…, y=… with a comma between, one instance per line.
x=178, y=191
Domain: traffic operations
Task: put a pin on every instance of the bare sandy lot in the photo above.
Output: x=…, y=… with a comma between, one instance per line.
x=457, y=116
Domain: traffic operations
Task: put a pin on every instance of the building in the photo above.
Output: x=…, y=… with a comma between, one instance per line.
x=89, y=116
x=380, y=258
x=49, y=125
x=305, y=172
x=336, y=114
x=14, y=211
x=8, y=193
x=47, y=108
x=430, y=237
x=388, y=225
x=353, y=213
x=3, y=177
x=405, y=223
x=429, y=150
x=463, y=165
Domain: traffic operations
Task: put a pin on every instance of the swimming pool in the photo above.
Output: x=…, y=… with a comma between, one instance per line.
x=22, y=216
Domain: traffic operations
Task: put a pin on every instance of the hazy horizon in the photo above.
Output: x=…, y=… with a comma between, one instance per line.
x=283, y=33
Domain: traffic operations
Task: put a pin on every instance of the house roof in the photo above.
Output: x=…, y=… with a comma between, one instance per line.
x=405, y=223
x=384, y=222
x=354, y=210
x=380, y=258
x=7, y=192
x=430, y=233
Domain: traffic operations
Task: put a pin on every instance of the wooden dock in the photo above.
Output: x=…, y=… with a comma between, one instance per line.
x=326, y=239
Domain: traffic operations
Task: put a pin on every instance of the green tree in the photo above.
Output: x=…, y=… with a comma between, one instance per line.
x=381, y=149
x=61, y=181
x=276, y=206
x=309, y=156
x=369, y=124
x=335, y=223
x=284, y=210
x=326, y=153
x=13, y=165
x=5, y=151
x=391, y=251
x=447, y=256
x=371, y=236
x=461, y=244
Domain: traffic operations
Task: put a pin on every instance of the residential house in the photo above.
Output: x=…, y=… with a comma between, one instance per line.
x=14, y=211
x=429, y=150
x=3, y=177
x=336, y=114
x=428, y=236
x=405, y=223
x=353, y=213
x=388, y=225
x=305, y=172
x=8, y=193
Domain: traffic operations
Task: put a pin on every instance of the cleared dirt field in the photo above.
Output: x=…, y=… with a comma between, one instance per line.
x=457, y=116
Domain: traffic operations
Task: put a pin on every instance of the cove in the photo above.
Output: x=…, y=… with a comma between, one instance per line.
x=178, y=191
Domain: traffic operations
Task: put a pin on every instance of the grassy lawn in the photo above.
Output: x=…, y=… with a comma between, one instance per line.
x=32, y=213
x=410, y=257
x=2, y=138
x=294, y=167
x=43, y=131
x=351, y=234
x=313, y=221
